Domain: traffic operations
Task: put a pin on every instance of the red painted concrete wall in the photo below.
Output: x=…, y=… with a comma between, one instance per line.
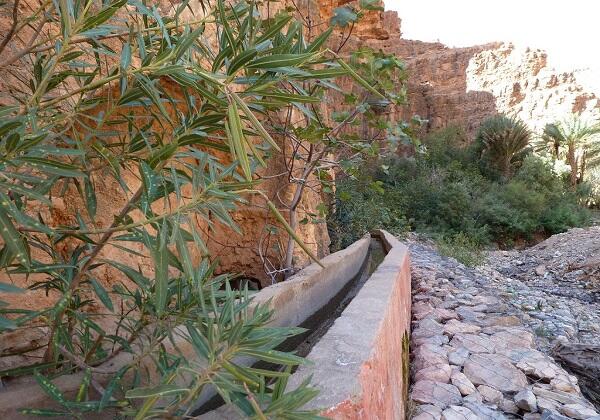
x=383, y=377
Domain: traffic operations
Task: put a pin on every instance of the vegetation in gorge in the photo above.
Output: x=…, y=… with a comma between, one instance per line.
x=576, y=142
x=501, y=145
x=319, y=147
x=176, y=104
x=464, y=202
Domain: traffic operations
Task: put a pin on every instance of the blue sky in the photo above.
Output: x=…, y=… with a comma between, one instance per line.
x=568, y=29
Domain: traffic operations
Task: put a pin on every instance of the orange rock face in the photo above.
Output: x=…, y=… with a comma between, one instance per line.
x=463, y=86
x=446, y=86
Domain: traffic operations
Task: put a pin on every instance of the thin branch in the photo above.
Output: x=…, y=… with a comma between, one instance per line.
x=11, y=31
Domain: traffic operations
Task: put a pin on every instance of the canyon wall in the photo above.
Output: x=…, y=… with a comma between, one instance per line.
x=463, y=86
x=446, y=86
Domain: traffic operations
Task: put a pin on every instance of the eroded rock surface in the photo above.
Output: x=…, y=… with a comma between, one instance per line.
x=499, y=363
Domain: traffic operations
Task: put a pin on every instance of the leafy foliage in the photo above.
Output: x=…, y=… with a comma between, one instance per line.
x=359, y=211
x=445, y=193
x=502, y=143
x=321, y=145
x=575, y=141
x=463, y=248
x=124, y=95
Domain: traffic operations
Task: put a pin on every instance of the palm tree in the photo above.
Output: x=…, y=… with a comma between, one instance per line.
x=503, y=142
x=576, y=141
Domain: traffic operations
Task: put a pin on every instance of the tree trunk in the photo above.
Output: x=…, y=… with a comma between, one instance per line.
x=582, y=168
x=293, y=221
x=506, y=172
x=572, y=161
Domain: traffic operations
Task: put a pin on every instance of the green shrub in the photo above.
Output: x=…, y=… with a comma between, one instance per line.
x=444, y=192
x=361, y=209
x=463, y=248
x=502, y=144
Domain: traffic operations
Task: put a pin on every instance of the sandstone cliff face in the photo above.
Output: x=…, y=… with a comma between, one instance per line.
x=522, y=83
x=446, y=86
x=463, y=86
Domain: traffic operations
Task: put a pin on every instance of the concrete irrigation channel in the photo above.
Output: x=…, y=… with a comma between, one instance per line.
x=360, y=362
x=356, y=309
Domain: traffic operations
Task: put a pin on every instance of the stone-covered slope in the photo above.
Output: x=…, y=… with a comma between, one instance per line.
x=476, y=354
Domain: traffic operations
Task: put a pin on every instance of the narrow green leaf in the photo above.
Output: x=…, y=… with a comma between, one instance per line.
x=5, y=128
x=320, y=40
x=153, y=94
x=102, y=294
x=291, y=232
x=274, y=29
x=21, y=217
x=12, y=238
x=254, y=121
x=289, y=97
x=359, y=79
x=96, y=19
x=281, y=60
x=242, y=59
x=10, y=288
x=156, y=391
x=111, y=387
x=200, y=344
x=188, y=40
x=125, y=56
x=49, y=388
x=43, y=412
x=329, y=73
x=85, y=383
x=228, y=35
x=135, y=276
x=237, y=139
x=274, y=356
x=90, y=197
x=7, y=324
x=161, y=271
x=52, y=166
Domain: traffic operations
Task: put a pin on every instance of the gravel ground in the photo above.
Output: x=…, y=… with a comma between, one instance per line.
x=481, y=337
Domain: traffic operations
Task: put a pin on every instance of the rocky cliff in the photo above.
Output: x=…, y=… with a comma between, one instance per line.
x=446, y=86
x=463, y=86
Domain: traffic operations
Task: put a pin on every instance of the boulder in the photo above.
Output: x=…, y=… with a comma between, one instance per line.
x=474, y=343
x=427, y=412
x=458, y=356
x=526, y=400
x=454, y=327
x=495, y=371
x=437, y=373
x=429, y=354
x=435, y=393
x=490, y=395
x=578, y=411
x=458, y=413
x=464, y=385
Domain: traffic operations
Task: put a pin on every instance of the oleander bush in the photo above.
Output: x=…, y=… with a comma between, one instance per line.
x=183, y=106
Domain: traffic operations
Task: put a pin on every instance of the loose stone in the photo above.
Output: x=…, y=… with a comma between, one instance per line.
x=437, y=373
x=526, y=400
x=495, y=371
x=490, y=394
x=435, y=393
x=458, y=356
x=578, y=411
x=464, y=385
x=458, y=413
